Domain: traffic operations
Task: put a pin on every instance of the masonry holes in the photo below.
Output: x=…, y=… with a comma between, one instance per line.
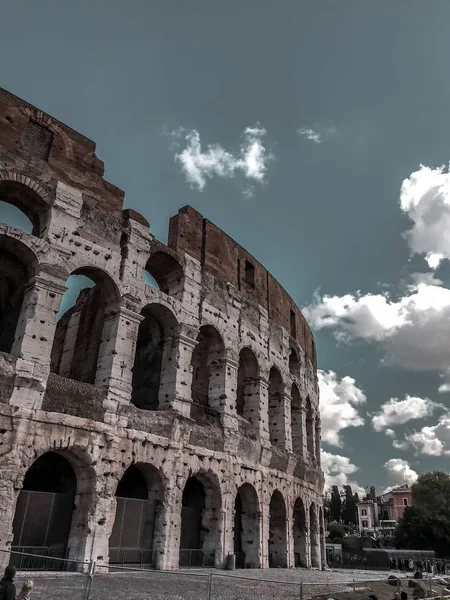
x=276, y=399
x=45, y=506
x=277, y=531
x=247, y=524
x=207, y=363
x=90, y=298
x=247, y=395
x=155, y=354
x=299, y=534
x=138, y=522
x=296, y=421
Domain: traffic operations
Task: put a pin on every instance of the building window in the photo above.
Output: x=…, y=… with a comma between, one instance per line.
x=249, y=274
x=292, y=324
x=365, y=524
x=364, y=512
x=405, y=501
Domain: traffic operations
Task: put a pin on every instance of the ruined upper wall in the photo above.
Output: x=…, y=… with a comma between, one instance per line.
x=49, y=150
x=229, y=262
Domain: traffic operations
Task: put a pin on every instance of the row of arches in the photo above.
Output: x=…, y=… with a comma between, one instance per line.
x=55, y=499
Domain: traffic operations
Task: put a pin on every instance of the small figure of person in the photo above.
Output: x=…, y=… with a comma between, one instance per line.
x=8, y=589
x=410, y=565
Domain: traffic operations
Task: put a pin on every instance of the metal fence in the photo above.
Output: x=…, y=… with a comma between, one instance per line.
x=56, y=578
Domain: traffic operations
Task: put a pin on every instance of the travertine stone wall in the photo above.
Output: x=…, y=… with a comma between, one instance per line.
x=212, y=376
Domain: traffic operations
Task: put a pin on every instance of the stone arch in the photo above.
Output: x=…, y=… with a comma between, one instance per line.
x=82, y=329
x=56, y=496
x=247, y=528
x=29, y=197
x=300, y=530
x=276, y=400
x=167, y=272
x=155, y=349
x=296, y=420
x=207, y=361
x=247, y=394
x=294, y=363
x=136, y=536
x=314, y=537
x=201, y=520
x=277, y=531
x=18, y=265
x=309, y=429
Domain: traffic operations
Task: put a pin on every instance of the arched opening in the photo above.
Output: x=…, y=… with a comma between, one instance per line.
x=45, y=506
x=80, y=330
x=276, y=413
x=309, y=429
x=247, y=528
x=317, y=438
x=18, y=265
x=167, y=272
x=314, y=537
x=277, y=531
x=27, y=201
x=299, y=534
x=294, y=364
x=200, y=517
x=247, y=395
x=14, y=217
x=206, y=364
x=138, y=523
x=154, y=348
x=296, y=421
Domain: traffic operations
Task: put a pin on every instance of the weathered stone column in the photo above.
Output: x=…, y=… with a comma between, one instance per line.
x=116, y=359
x=169, y=543
x=265, y=533
x=314, y=533
x=34, y=340
x=176, y=374
x=304, y=434
x=9, y=492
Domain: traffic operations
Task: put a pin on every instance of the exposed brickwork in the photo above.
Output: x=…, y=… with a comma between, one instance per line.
x=199, y=399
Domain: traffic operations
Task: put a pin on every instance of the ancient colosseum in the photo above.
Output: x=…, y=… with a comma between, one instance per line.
x=169, y=425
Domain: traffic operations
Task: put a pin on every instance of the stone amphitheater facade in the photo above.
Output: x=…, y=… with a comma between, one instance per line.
x=168, y=426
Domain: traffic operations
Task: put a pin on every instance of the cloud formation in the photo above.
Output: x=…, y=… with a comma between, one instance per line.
x=318, y=134
x=339, y=403
x=413, y=331
x=425, y=198
x=399, y=412
x=399, y=472
x=199, y=165
x=337, y=469
x=430, y=440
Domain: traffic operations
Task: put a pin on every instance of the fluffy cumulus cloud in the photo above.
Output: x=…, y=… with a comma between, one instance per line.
x=399, y=412
x=425, y=198
x=337, y=470
x=430, y=440
x=399, y=472
x=413, y=330
x=340, y=400
x=199, y=164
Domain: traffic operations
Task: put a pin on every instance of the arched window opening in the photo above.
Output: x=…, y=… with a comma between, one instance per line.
x=206, y=363
x=247, y=395
x=247, y=528
x=151, y=281
x=138, y=523
x=200, y=514
x=296, y=421
x=294, y=364
x=35, y=210
x=45, y=506
x=167, y=272
x=314, y=535
x=277, y=531
x=91, y=295
x=299, y=534
x=153, y=349
x=309, y=429
x=276, y=400
x=14, y=217
x=17, y=267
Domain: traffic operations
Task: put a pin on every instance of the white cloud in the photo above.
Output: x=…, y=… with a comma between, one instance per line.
x=339, y=402
x=399, y=412
x=413, y=331
x=425, y=198
x=432, y=441
x=200, y=165
x=399, y=472
x=318, y=134
x=337, y=470
x=390, y=432
x=310, y=134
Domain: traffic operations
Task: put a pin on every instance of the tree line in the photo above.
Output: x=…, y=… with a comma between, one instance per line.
x=340, y=505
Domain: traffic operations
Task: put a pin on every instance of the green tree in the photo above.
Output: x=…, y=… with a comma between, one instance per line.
x=349, y=512
x=432, y=493
x=335, y=504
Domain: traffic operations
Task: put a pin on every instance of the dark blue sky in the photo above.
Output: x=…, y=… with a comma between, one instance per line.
x=371, y=77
